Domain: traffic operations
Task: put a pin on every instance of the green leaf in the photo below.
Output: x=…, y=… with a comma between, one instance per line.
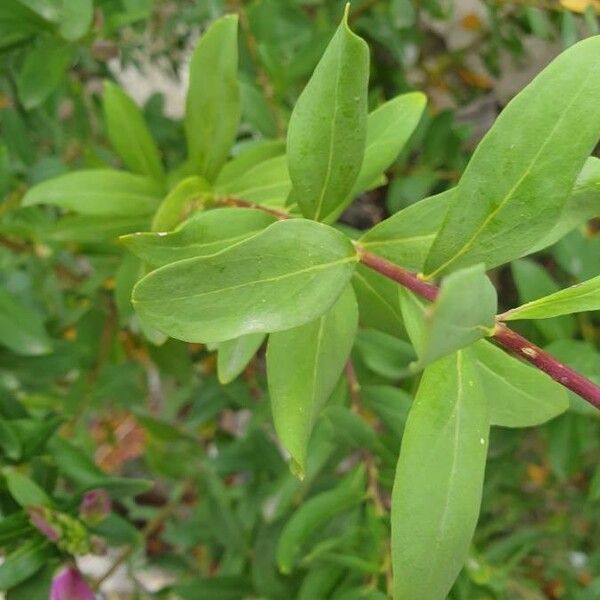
x=24, y=490
x=388, y=129
x=18, y=22
x=518, y=394
x=513, y=191
x=204, y=234
x=187, y=196
x=234, y=355
x=390, y=404
x=378, y=302
x=42, y=71
x=98, y=192
x=251, y=157
x=267, y=183
x=212, y=112
x=384, y=354
x=315, y=513
x=577, y=298
x=405, y=238
x=463, y=312
x=22, y=329
x=261, y=285
x=534, y=282
x=24, y=562
x=129, y=134
x=327, y=131
x=439, y=477
x=76, y=18
x=582, y=205
x=303, y=367
x=93, y=228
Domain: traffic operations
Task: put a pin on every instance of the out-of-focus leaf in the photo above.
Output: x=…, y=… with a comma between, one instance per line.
x=22, y=329
x=128, y=133
x=98, y=192
x=212, y=111
x=42, y=71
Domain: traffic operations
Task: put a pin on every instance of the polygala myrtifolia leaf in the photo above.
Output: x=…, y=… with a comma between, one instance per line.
x=463, y=312
x=388, y=129
x=267, y=183
x=212, y=112
x=205, y=233
x=327, y=131
x=234, y=355
x=286, y=276
x=520, y=176
x=188, y=196
x=129, y=134
x=303, y=366
x=98, y=192
x=249, y=158
x=577, y=298
x=439, y=478
x=533, y=282
x=518, y=395
x=406, y=237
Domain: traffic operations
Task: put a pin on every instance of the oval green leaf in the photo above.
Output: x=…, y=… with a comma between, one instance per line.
x=303, y=367
x=261, y=285
x=439, y=479
x=203, y=234
x=129, y=134
x=519, y=179
x=212, y=112
x=98, y=192
x=327, y=131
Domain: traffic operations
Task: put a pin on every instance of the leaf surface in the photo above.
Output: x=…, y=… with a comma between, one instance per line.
x=518, y=394
x=259, y=286
x=203, y=234
x=388, y=129
x=577, y=298
x=212, y=112
x=234, y=355
x=129, y=134
x=98, y=192
x=520, y=176
x=463, y=312
x=327, y=130
x=439, y=478
x=303, y=367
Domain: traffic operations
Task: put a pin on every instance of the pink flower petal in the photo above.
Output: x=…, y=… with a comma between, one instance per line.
x=69, y=584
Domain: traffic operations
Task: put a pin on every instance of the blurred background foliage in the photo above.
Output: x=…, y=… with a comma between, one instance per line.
x=200, y=490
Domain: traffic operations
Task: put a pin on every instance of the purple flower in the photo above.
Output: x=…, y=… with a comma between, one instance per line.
x=69, y=584
x=95, y=506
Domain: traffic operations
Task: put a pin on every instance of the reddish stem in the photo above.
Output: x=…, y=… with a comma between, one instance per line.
x=504, y=336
